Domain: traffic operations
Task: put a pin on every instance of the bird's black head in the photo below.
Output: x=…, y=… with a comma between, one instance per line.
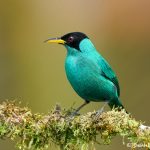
x=73, y=39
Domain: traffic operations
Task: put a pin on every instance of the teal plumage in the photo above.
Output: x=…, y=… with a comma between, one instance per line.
x=88, y=72
x=90, y=75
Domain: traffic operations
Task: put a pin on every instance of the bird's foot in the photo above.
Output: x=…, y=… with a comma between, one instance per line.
x=73, y=114
x=101, y=110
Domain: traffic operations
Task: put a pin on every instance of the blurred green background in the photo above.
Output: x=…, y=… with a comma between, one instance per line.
x=33, y=72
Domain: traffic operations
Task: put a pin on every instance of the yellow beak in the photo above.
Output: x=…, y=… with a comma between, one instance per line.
x=55, y=40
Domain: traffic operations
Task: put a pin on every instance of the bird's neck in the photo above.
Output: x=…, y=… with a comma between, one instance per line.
x=71, y=51
x=86, y=46
x=87, y=49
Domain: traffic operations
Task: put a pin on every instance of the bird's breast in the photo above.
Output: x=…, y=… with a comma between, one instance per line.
x=79, y=70
x=84, y=76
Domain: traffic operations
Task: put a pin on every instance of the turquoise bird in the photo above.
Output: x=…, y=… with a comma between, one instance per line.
x=88, y=72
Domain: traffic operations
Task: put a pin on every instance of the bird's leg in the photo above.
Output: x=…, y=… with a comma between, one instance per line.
x=78, y=109
x=101, y=109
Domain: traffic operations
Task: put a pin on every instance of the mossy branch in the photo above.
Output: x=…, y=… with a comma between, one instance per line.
x=37, y=131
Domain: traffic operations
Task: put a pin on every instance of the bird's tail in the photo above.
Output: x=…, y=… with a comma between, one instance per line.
x=116, y=104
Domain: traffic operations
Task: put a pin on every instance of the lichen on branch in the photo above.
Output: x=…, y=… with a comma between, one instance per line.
x=38, y=131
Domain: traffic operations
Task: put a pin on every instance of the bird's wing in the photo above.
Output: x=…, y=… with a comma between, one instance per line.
x=108, y=73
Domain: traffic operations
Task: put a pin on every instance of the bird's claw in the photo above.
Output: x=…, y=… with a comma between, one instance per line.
x=73, y=114
x=99, y=112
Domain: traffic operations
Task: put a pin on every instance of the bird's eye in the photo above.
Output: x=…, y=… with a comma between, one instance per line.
x=70, y=39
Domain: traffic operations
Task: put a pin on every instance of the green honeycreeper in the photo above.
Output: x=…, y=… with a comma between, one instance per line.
x=88, y=72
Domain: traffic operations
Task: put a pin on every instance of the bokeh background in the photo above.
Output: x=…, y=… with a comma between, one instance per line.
x=33, y=72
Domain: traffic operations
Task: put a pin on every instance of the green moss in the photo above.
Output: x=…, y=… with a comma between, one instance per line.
x=37, y=131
